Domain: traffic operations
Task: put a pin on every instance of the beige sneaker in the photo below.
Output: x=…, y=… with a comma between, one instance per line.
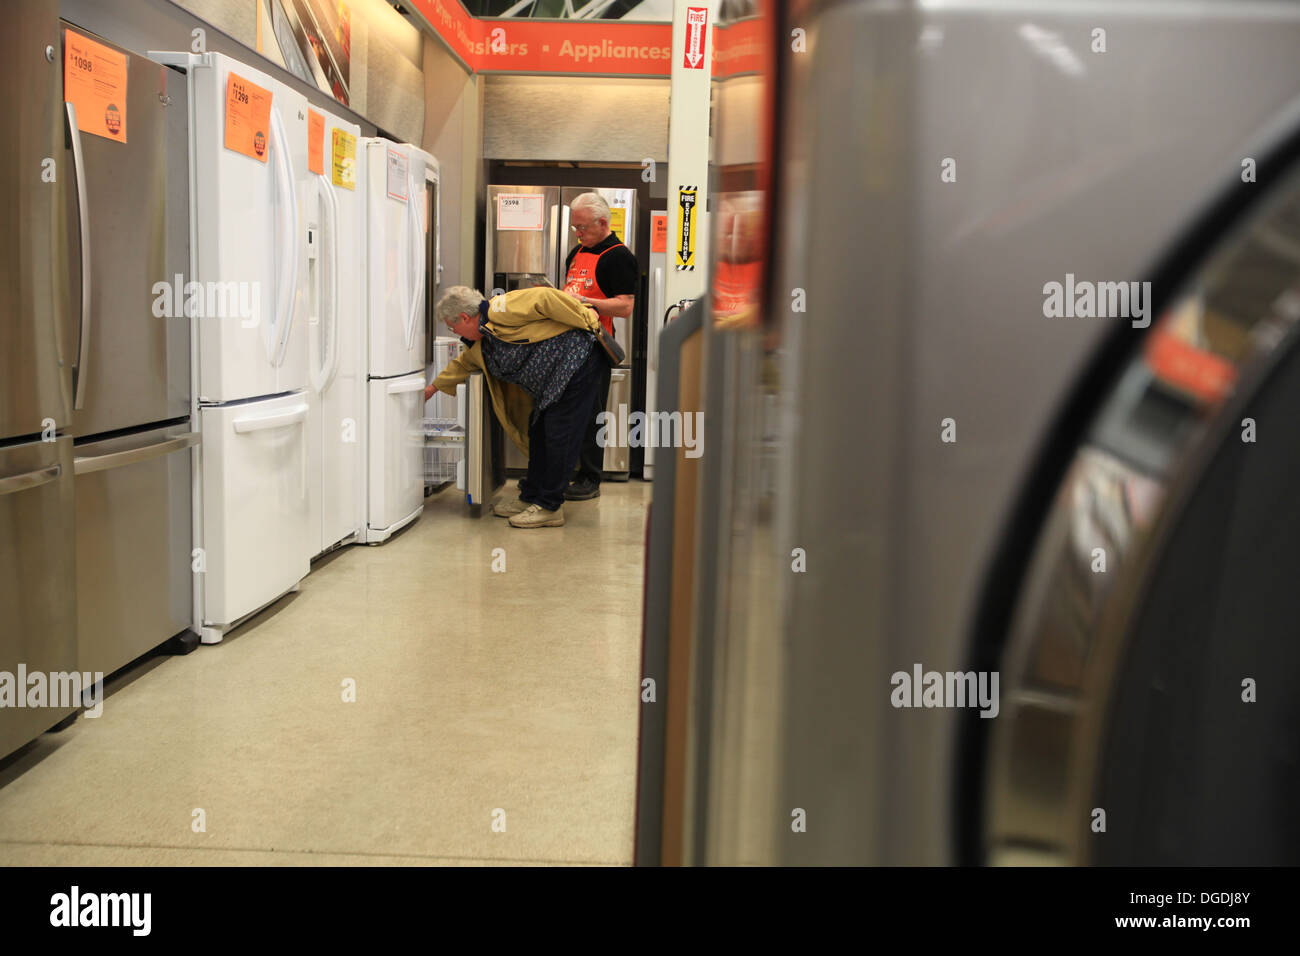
x=509, y=506
x=535, y=516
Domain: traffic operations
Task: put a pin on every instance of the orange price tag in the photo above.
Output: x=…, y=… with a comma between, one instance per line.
x=94, y=81
x=248, y=117
x=659, y=232
x=315, y=142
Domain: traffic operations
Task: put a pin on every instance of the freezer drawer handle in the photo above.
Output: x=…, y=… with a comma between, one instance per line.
x=411, y=385
x=83, y=220
x=289, y=416
x=85, y=466
x=31, y=479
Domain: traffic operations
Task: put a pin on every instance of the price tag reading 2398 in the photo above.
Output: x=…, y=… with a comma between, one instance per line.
x=248, y=117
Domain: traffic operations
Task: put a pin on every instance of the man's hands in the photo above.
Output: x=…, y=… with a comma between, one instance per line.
x=428, y=392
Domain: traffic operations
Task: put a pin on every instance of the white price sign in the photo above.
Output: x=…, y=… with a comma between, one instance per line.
x=519, y=211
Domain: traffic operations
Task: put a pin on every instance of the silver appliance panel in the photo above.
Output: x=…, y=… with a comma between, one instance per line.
x=35, y=349
x=126, y=358
x=38, y=627
x=617, y=453
x=523, y=251
x=133, y=544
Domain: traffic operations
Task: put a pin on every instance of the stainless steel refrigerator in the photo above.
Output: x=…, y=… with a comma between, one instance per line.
x=128, y=235
x=37, y=562
x=529, y=239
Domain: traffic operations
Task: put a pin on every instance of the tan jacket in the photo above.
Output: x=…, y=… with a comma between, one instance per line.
x=525, y=315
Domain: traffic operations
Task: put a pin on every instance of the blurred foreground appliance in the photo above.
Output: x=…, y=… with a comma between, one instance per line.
x=38, y=356
x=1097, y=505
x=249, y=256
x=129, y=232
x=393, y=178
x=336, y=426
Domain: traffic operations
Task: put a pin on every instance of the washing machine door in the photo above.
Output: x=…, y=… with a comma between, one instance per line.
x=1150, y=656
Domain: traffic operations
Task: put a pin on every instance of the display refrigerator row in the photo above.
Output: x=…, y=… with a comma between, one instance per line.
x=212, y=348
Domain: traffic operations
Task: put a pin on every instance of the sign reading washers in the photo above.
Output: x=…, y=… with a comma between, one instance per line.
x=684, y=255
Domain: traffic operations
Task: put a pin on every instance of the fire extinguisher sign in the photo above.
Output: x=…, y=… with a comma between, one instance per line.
x=685, y=255
x=697, y=21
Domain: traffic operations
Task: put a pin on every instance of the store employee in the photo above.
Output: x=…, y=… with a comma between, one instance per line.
x=602, y=273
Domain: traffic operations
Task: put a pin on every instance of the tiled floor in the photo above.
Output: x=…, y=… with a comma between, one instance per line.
x=476, y=692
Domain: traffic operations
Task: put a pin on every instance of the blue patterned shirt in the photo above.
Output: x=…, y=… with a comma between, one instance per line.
x=542, y=369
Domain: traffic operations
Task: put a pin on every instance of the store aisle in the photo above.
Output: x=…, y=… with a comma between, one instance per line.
x=475, y=691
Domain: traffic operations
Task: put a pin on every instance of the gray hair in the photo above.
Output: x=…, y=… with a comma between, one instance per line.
x=593, y=201
x=458, y=299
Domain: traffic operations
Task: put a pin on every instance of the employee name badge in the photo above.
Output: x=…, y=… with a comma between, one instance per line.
x=94, y=82
x=315, y=142
x=344, y=163
x=397, y=175
x=248, y=117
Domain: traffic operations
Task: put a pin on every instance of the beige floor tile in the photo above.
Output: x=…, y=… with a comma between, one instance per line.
x=476, y=691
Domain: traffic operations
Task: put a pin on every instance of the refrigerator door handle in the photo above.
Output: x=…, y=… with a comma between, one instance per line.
x=286, y=202
x=29, y=480
x=83, y=216
x=257, y=423
x=331, y=207
x=562, y=246
x=406, y=385
x=85, y=466
x=416, y=285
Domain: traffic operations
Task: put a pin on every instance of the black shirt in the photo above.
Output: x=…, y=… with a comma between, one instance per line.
x=617, y=273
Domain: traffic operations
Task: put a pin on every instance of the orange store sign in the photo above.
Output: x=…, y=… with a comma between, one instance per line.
x=556, y=46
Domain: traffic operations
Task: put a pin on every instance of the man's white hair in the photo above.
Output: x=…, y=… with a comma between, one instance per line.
x=594, y=202
x=458, y=299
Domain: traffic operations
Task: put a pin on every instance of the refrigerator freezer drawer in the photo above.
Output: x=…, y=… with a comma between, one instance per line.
x=38, y=627
x=255, y=522
x=396, y=452
x=134, y=537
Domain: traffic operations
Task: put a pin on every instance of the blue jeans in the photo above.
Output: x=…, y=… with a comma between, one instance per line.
x=555, y=436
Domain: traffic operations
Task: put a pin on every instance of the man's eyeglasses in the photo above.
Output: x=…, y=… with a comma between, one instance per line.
x=576, y=228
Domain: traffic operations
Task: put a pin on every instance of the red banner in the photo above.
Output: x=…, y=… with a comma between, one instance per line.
x=551, y=46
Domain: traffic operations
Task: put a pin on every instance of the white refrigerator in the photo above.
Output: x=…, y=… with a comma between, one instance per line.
x=396, y=234
x=336, y=427
x=249, y=260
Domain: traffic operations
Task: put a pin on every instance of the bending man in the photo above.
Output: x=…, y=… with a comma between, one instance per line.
x=536, y=344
